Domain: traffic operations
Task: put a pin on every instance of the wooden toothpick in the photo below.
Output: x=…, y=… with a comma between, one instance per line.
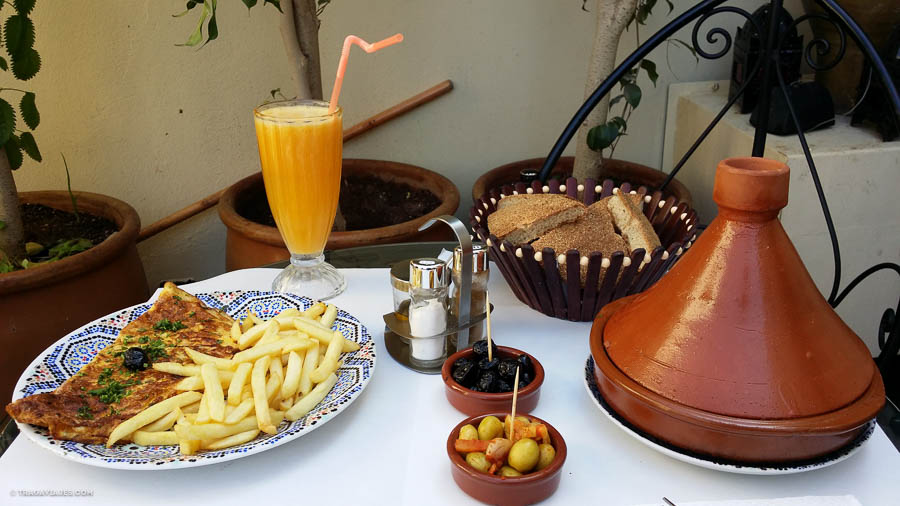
x=512, y=416
x=487, y=303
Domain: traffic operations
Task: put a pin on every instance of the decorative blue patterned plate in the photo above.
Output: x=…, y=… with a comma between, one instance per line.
x=65, y=357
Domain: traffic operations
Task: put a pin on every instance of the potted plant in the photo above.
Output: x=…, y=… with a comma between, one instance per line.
x=72, y=258
x=601, y=134
x=251, y=241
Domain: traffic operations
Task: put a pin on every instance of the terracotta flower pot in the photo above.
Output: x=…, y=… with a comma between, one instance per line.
x=40, y=305
x=620, y=170
x=250, y=244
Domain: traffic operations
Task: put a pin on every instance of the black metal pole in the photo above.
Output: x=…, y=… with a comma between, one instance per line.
x=762, y=107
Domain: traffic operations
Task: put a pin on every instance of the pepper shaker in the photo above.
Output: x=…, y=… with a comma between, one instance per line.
x=480, y=275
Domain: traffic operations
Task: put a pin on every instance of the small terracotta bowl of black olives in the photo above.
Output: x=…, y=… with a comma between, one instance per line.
x=474, y=385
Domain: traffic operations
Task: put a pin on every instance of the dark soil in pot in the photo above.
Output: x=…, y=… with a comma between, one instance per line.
x=47, y=226
x=388, y=203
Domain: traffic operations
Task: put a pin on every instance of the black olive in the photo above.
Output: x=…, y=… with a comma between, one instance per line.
x=488, y=365
x=486, y=382
x=525, y=362
x=507, y=369
x=136, y=359
x=461, y=361
x=481, y=350
x=504, y=386
x=465, y=374
x=526, y=377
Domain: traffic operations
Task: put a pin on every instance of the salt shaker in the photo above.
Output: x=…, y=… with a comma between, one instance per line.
x=428, y=286
x=480, y=274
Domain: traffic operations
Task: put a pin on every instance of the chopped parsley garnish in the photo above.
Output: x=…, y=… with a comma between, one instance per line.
x=113, y=391
x=192, y=313
x=177, y=298
x=85, y=412
x=165, y=324
x=104, y=376
x=155, y=349
x=144, y=340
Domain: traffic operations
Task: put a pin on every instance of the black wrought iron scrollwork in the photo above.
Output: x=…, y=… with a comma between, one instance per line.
x=717, y=34
x=820, y=45
x=767, y=66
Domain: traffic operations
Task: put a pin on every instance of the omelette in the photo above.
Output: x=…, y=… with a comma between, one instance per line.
x=104, y=393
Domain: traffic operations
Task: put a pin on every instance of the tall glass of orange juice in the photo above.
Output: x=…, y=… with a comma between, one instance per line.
x=300, y=145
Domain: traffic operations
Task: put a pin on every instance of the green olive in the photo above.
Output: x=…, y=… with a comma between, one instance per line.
x=507, y=425
x=478, y=461
x=468, y=431
x=489, y=428
x=509, y=472
x=524, y=454
x=547, y=454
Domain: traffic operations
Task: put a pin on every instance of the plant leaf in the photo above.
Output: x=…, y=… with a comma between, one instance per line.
x=212, y=29
x=615, y=100
x=276, y=3
x=197, y=36
x=602, y=136
x=24, y=6
x=671, y=6
x=686, y=46
x=3, y=64
x=650, y=67
x=19, y=32
x=7, y=121
x=2, y=225
x=26, y=63
x=13, y=152
x=619, y=121
x=26, y=140
x=632, y=94
x=249, y=3
x=30, y=114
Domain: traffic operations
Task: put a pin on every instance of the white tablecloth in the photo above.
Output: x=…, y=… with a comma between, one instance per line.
x=389, y=446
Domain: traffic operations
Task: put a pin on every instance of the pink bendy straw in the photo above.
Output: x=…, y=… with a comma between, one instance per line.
x=345, y=54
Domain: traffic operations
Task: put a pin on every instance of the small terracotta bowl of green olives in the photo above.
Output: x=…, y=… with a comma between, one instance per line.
x=530, y=472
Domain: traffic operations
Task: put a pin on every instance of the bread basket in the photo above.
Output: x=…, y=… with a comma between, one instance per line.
x=534, y=276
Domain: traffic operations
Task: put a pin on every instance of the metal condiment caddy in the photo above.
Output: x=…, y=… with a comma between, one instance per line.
x=397, y=334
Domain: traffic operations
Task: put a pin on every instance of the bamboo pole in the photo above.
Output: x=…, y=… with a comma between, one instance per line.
x=354, y=131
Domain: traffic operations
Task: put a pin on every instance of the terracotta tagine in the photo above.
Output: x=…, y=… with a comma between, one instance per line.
x=735, y=353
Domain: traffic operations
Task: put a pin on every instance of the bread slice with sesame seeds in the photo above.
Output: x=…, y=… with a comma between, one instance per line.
x=630, y=221
x=522, y=220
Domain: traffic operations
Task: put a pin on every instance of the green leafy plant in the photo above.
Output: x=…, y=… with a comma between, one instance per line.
x=24, y=62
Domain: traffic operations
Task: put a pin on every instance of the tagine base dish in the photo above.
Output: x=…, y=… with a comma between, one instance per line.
x=716, y=463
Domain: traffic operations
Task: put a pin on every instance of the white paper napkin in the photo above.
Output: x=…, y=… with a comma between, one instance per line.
x=833, y=500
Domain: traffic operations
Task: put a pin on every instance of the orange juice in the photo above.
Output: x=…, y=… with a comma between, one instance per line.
x=300, y=152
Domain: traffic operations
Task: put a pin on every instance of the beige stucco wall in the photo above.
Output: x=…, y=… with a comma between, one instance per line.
x=161, y=126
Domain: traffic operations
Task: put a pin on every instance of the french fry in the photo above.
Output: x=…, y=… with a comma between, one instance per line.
x=327, y=319
x=232, y=440
x=203, y=412
x=177, y=369
x=329, y=362
x=299, y=344
x=260, y=399
x=215, y=398
x=256, y=319
x=223, y=364
x=291, y=376
x=276, y=378
x=236, y=331
x=164, y=423
x=191, y=408
x=240, y=412
x=246, y=324
x=150, y=414
x=196, y=382
x=310, y=360
x=260, y=350
x=212, y=431
x=324, y=335
x=308, y=402
x=315, y=310
x=247, y=393
x=238, y=382
x=251, y=336
x=189, y=447
x=147, y=438
x=271, y=333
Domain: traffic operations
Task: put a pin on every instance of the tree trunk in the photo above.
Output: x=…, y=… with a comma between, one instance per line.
x=612, y=18
x=12, y=236
x=300, y=34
